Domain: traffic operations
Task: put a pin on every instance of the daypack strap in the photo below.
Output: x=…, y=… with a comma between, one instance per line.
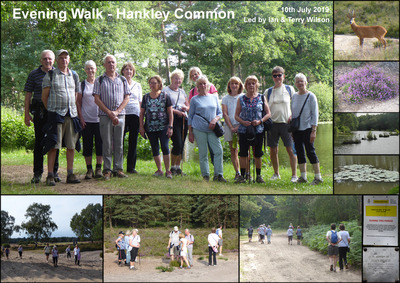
x=304, y=104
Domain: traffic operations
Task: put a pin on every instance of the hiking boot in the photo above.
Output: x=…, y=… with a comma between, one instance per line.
x=179, y=172
x=240, y=180
x=347, y=266
x=301, y=180
x=168, y=174
x=331, y=267
x=237, y=176
x=50, y=181
x=121, y=174
x=206, y=178
x=158, y=173
x=293, y=179
x=72, y=179
x=275, y=177
x=98, y=173
x=173, y=172
x=89, y=174
x=133, y=171
x=36, y=178
x=107, y=176
x=260, y=180
x=57, y=178
x=220, y=178
x=316, y=182
x=247, y=177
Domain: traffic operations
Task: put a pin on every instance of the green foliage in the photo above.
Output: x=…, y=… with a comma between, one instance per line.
x=323, y=92
x=7, y=226
x=175, y=263
x=14, y=133
x=88, y=224
x=380, y=122
x=315, y=238
x=165, y=268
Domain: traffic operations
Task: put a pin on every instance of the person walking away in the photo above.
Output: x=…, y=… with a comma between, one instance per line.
x=279, y=97
x=68, y=251
x=299, y=234
x=88, y=113
x=333, y=239
x=190, y=239
x=220, y=241
x=7, y=252
x=34, y=106
x=344, y=247
x=111, y=94
x=250, y=233
x=120, y=245
x=60, y=89
x=261, y=232
x=20, y=251
x=269, y=234
x=173, y=243
x=212, y=247
x=134, y=244
x=184, y=250
x=290, y=235
x=132, y=112
x=77, y=254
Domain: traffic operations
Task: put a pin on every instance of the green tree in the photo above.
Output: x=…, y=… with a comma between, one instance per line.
x=40, y=225
x=7, y=226
x=83, y=224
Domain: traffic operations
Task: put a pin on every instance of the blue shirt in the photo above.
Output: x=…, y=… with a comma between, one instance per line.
x=251, y=110
x=207, y=106
x=34, y=83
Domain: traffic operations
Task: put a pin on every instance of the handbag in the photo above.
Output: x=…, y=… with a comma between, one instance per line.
x=218, y=129
x=295, y=122
x=268, y=123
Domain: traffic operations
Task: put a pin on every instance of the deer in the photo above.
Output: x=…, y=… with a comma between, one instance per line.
x=367, y=31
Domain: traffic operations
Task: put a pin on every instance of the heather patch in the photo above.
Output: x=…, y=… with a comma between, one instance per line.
x=368, y=82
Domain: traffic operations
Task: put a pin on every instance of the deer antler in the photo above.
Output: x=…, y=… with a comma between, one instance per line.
x=353, y=14
x=349, y=14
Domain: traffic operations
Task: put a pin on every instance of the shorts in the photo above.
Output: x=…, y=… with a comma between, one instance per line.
x=290, y=238
x=184, y=252
x=66, y=133
x=262, y=237
x=298, y=237
x=220, y=241
x=279, y=130
x=333, y=250
x=228, y=135
x=121, y=254
x=244, y=145
x=47, y=254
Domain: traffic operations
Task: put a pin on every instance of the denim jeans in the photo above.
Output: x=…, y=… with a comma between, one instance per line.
x=205, y=139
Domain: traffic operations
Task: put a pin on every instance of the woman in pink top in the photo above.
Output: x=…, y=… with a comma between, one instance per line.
x=194, y=73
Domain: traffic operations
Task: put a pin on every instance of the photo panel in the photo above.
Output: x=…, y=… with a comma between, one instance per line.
x=162, y=238
x=52, y=238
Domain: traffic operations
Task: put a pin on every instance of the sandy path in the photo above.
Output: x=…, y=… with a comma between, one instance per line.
x=348, y=46
x=34, y=268
x=225, y=271
x=280, y=262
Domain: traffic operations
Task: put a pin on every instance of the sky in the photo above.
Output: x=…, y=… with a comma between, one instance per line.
x=63, y=209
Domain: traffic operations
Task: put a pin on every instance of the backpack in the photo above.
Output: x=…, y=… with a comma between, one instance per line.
x=74, y=74
x=334, y=237
x=269, y=92
x=83, y=86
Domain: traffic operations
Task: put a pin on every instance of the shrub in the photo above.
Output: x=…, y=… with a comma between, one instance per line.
x=165, y=269
x=370, y=82
x=323, y=92
x=14, y=133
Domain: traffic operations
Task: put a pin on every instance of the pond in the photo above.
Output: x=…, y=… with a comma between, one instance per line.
x=386, y=164
x=388, y=145
x=323, y=147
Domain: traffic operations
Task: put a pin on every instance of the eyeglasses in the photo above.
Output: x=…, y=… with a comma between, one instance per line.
x=277, y=76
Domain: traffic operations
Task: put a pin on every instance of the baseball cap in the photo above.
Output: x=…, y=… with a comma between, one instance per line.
x=176, y=228
x=59, y=52
x=120, y=232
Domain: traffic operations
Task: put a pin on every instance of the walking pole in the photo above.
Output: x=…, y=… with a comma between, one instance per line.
x=248, y=160
x=254, y=168
x=183, y=136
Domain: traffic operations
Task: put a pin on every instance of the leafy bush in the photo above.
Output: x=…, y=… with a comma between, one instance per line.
x=315, y=239
x=14, y=133
x=323, y=92
x=368, y=81
x=165, y=269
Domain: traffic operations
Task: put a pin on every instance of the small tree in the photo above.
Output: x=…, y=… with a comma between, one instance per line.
x=40, y=225
x=7, y=226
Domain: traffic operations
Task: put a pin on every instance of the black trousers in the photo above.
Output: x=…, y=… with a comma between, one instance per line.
x=212, y=256
x=177, y=141
x=39, y=120
x=134, y=253
x=131, y=126
x=342, y=256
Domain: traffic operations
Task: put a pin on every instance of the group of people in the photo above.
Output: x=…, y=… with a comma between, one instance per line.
x=180, y=246
x=55, y=254
x=290, y=233
x=106, y=107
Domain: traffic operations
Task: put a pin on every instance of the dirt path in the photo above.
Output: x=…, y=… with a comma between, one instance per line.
x=225, y=271
x=347, y=47
x=369, y=105
x=34, y=268
x=280, y=262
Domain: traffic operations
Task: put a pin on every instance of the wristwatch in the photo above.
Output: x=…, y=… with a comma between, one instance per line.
x=170, y=127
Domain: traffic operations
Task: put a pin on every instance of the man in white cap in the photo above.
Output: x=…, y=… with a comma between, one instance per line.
x=60, y=88
x=173, y=243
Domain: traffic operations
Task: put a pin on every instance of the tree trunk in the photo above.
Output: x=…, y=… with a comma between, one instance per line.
x=164, y=37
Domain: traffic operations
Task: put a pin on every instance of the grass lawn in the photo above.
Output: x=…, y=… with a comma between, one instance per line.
x=145, y=183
